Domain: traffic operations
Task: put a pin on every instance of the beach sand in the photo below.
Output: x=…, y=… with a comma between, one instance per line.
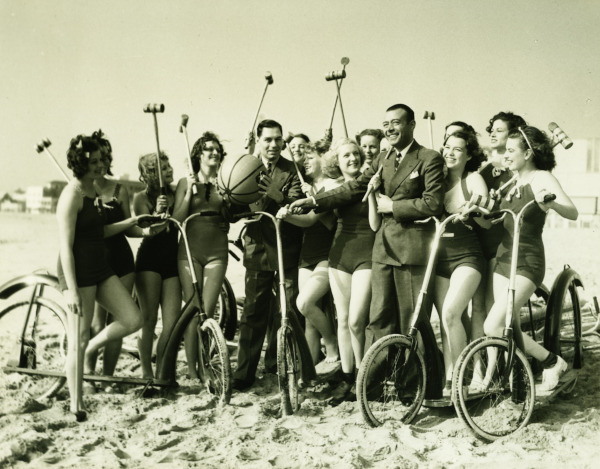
x=183, y=427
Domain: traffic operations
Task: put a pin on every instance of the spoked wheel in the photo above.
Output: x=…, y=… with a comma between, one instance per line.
x=492, y=402
x=288, y=370
x=215, y=357
x=391, y=381
x=563, y=319
x=40, y=345
x=226, y=311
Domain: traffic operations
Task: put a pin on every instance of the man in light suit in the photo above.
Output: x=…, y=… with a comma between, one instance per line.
x=280, y=186
x=412, y=188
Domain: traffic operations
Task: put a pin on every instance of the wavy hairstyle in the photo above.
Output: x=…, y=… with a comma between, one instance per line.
x=512, y=121
x=199, y=146
x=105, y=149
x=473, y=149
x=78, y=154
x=147, y=168
x=540, y=145
x=330, y=163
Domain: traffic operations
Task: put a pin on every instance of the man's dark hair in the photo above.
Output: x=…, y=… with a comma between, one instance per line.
x=410, y=114
x=269, y=124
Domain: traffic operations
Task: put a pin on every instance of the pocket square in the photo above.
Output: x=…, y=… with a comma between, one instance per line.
x=414, y=174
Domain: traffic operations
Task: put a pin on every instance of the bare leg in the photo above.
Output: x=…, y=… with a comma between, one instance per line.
x=459, y=291
x=82, y=336
x=359, y=312
x=313, y=286
x=170, y=304
x=190, y=336
x=148, y=285
x=341, y=283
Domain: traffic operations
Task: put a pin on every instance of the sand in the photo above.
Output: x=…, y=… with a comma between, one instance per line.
x=183, y=427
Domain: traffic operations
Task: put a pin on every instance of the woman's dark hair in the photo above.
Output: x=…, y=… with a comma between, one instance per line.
x=462, y=125
x=105, y=149
x=378, y=134
x=78, y=154
x=540, y=145
x=472, y=147
x=512, y=121
x=199, y=147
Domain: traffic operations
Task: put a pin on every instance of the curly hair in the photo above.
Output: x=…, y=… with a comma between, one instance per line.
x=78, y=154
x=378, y=134
x=206, y=137
x=472, y=147
x=330, y=164
x=105, y=149
x=147, y=168
x=512, y=121
x=540, y=145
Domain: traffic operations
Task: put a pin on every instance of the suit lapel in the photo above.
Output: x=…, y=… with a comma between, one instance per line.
x=278, y=176
x=407, y=165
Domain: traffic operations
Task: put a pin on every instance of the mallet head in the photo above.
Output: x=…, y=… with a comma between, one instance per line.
x=335, y=75
x=184, y=120
x=429, y=115
x=559, y=136
x=46, y=142
x=345, y=61
x=153, y=107
x=269, y=78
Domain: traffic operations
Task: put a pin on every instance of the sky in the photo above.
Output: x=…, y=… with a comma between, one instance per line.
x=71, y=67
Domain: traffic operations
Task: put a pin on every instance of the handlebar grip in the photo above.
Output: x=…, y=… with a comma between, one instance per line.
x=493, y=215
x=549, y=198
x=425, y=220
x=239, y=216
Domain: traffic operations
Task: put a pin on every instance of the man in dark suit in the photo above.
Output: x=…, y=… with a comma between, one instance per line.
x=412, y=188
x=280, y=186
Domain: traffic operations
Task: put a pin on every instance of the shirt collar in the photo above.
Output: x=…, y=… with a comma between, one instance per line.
x=266, y=162
x=404, y=151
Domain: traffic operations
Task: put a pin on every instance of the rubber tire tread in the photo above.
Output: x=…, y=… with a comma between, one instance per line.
x=460, y=399
x=59, y=382
x=215, y=336
x=363, y=373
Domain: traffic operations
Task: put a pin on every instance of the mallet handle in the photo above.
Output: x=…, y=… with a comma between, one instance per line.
x=67, y=178
x=183, y=130
x=163, y=191
x=259, y=106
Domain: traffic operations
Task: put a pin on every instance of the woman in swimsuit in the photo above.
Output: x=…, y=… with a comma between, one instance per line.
x=84, y=273
x=119, y=254
x=156, y=275
x=207, y=234
x=350, y=261
x=459, y=258
x=313, y=276
x=530, y=157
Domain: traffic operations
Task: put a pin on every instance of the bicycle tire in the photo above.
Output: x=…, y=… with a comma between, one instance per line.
x=388, y=387
x=497, y=408
x=563, y=319
x=228, y=305
x=44, y=345
x=215, y=357
x=288, y=371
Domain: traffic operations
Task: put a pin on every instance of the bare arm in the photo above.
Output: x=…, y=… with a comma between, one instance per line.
x=69, y=205
x=183, y=196
x=545, y=183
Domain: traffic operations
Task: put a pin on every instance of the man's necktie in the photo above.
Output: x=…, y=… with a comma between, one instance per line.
x=269, y=169
x=398, y=160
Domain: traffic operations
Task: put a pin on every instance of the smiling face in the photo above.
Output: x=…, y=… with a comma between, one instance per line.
x=298, y=149
x=312, y=164
x=498, y=135
x=516, y=156
x=349, y=160
x=270, y=143
x=211, y=155
x=397, y=128
x=371, y=146
x=455, y=154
